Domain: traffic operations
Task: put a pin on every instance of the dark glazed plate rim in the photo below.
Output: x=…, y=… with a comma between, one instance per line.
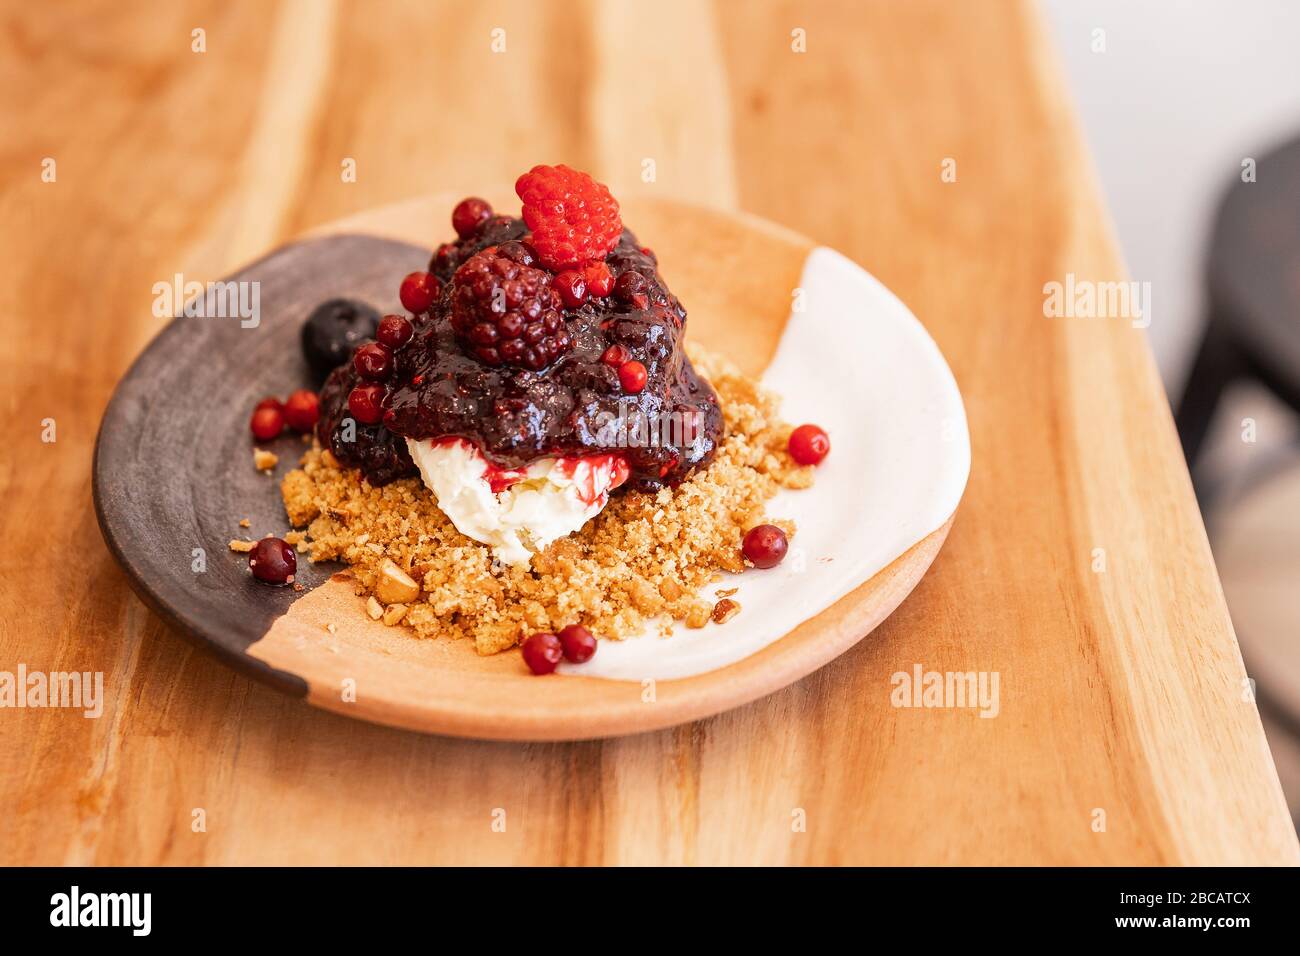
x=115, y=476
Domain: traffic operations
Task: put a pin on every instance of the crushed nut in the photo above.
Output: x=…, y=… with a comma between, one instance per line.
x=726, y=592
x=238, y=544
x=394, y=613
x=374, y=610
x=264, y=460
x=245, y=523
x=697, y=615
x=395, y=586
x=725, y=610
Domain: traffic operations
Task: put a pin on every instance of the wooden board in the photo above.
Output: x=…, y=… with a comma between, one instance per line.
x=1121, y=689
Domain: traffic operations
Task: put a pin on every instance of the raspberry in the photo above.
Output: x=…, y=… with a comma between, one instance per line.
x=505, y=310
x=573, y=218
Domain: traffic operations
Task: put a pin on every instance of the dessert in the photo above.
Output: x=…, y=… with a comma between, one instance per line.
x=533, y=455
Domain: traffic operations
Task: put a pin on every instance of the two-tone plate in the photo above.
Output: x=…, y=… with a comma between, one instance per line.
x=173, y=477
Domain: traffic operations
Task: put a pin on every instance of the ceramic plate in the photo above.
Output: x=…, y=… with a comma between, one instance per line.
x=173, y=476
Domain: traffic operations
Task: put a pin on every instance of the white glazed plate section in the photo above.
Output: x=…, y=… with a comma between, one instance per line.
x=857, y=362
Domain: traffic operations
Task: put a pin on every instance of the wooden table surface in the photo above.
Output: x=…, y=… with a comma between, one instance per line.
x=1124, y=733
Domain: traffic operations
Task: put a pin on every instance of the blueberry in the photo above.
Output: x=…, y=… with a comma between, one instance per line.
x=333, y=330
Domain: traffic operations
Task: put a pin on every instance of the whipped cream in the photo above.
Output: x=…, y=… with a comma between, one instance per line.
x=516, y=511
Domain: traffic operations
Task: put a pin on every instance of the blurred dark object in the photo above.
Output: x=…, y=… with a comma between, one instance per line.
x=1253, y=271
x=1252, y=339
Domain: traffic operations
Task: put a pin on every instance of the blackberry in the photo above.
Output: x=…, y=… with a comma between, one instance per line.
x=493, y=231
x=505, y=310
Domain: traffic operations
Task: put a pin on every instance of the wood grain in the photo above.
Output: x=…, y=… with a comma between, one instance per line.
x=1121, y=689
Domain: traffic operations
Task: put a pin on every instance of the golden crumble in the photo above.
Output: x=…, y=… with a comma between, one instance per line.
x=645, y=557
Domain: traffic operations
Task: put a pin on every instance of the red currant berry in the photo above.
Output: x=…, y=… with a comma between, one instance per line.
x=301, y=409
x=600, y=281
x=394, y=331
x=373, y=362
x=579, y=644
x=273, y=561
x=444, y=256
x=809, y=445
x=632, y=375
x=267, y=423
x=469, y=214
x=615, y=355
x=542, y=652
x=572, y=286
x=366, y=403
x=418, y=291
x=629, y=284
x=765, y=546
x=269, y=403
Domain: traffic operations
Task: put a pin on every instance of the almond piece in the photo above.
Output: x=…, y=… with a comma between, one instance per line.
x=394, y=613
x=395, y=585
x=264, y=460
x=725, y=610
x=374, y=610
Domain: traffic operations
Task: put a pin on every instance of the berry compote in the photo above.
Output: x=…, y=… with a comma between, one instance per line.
x=665, y=422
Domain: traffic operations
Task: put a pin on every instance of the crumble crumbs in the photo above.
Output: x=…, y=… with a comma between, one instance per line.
x=644, y=558
x=264, y=460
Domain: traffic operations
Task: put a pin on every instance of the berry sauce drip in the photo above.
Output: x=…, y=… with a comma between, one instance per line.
x=611, y=377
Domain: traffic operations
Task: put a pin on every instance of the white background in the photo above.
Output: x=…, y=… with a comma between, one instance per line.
x=1185, y=90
